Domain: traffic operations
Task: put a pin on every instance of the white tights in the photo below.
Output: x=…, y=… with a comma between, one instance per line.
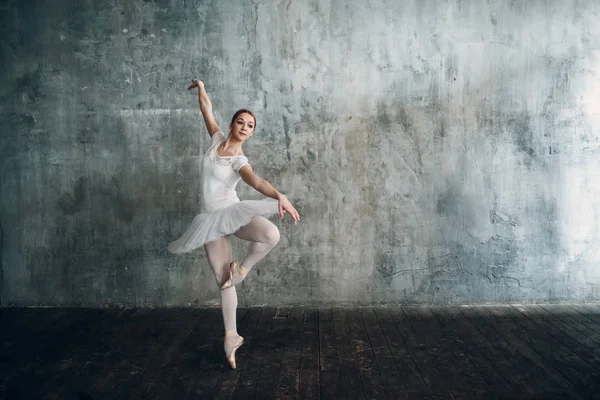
x=264, y=235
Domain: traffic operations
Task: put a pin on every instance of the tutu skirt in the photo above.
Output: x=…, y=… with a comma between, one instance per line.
x=210, y=226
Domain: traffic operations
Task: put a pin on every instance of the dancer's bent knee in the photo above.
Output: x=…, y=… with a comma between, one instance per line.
x=272, y=235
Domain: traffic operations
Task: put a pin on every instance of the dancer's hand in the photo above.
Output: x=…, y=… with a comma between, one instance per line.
x=196, y=83
x=285, y=205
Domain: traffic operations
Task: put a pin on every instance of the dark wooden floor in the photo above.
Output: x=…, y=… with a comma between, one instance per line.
x=504, y=352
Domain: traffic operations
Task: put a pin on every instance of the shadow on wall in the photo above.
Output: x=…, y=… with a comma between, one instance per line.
x=109, y=226
x=89, y=224
x=112, y=227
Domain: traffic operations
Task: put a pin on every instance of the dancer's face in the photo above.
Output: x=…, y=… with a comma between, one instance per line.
x=242, y=127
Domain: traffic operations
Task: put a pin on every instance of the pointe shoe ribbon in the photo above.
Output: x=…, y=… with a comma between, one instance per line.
x=237, y=273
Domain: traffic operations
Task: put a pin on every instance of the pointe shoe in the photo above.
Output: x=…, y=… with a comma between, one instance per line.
x=231, y=344
x=237, y=273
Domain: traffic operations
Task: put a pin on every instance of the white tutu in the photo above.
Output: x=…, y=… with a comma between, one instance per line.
x=210, y=226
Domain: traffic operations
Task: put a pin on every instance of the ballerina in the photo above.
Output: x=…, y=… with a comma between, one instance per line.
x=223, y=214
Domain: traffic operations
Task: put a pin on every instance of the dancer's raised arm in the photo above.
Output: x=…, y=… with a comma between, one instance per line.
x=205, y=107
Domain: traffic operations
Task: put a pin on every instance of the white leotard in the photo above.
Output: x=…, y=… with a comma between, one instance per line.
x=221, y=213
x=220, y=176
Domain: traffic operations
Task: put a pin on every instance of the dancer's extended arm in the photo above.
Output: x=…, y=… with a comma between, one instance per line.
x=205, y=107
x=264, y=187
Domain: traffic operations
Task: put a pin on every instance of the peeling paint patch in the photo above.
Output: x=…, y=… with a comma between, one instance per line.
x=499, y=217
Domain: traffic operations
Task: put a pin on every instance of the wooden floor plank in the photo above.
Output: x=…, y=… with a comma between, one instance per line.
x=412, y=380
x=417, y=353
x=17, y=320
x=55, y=337
x=433, y=367
x=270, y=373
x=474, y=352
x=570, y=338
x=537, y=338
x=588, y=312
x=191, y=357
x=372, y=383
x=289, y=380
x=577, y=370
x=593, y=308
x=91, y=357
x=421, y=347
x=574, y=319
x=34, y=323
x=563, y=326
x=250, y=375
x=578, y=314
x=348, y=365
x=76, y=350
x=309, y=359
x=449, y=382
x=547, y=362
x=589, y=308
x=178, y=325
x=111, y=364
x=390, y=375
x=329, y=373
x=501, y=377
x=521, y=357
x=466, y=380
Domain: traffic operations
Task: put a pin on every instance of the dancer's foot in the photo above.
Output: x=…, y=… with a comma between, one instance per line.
x=237, y=273
x=231, y=344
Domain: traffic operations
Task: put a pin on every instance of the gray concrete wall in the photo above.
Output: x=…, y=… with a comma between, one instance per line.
x=440, y=152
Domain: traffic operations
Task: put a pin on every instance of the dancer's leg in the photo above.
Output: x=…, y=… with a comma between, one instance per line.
x=264, y=236
x=219, y=258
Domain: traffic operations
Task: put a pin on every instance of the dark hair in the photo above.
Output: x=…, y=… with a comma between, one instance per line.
x=243, y=111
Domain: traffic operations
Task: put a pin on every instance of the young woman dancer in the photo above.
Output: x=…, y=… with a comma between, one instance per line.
x=223, y=214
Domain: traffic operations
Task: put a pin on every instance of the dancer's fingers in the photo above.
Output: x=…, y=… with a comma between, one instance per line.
x=294, y=214
x=280, y=209
x=193, y=85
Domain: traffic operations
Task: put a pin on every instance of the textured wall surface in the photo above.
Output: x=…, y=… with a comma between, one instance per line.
x=438, y=151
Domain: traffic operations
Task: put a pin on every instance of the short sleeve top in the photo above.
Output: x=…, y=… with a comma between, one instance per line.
x=220, y=176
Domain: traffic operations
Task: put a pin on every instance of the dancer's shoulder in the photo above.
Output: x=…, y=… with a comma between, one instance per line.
x=239, y=162
x=217, y=137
